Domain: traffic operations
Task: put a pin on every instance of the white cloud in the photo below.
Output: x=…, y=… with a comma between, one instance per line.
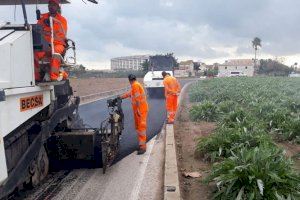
x=198, y=29
x=166, y=3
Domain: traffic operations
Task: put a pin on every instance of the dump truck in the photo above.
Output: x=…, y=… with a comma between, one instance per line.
x=39, y=121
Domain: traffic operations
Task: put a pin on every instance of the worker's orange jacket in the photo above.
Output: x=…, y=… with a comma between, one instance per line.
x=172, y=90
x=139, y=106
x=172, y=86
x=140, y=111
x=138, y=97
x=60, y=28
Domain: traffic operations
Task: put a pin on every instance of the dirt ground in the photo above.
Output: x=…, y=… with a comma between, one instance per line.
x=292, y=151
x=186, y=134
x=86, y=86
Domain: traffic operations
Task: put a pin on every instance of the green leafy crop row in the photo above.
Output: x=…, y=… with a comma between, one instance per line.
x=257, y=173
x=250, y=113
x=271, y=103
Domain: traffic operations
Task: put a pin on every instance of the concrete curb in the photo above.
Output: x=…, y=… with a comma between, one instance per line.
x=95, y=97
x=171, y=179
x=171, y=182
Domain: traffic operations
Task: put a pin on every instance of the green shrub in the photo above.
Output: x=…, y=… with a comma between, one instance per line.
x=256, y=173
x=206, y=111
x=248, y=111
x=269, y=103
x=227, y=140
x=237, y=118
x=226, y=107
x=277, y=118
x=290, y=129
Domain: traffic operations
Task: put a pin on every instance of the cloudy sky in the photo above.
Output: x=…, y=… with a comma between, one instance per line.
x=203, y=30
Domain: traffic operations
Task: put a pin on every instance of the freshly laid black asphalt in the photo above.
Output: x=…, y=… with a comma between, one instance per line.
x=93, y=113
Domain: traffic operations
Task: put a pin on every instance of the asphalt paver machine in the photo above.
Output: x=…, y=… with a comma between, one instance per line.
x=39, y=122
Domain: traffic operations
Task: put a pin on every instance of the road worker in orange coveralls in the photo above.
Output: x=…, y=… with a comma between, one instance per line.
x=172, y=90
x=140, y=110
x=59, y=37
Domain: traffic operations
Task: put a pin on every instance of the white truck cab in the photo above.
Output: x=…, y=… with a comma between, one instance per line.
x=153, y=82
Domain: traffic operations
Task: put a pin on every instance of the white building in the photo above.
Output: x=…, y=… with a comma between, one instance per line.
x=294, y=74
x=236, y=67
x=128, y=62
x=186, y=69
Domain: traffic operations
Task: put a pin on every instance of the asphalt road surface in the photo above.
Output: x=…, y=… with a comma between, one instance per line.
x=124, y=178
x=93, y=113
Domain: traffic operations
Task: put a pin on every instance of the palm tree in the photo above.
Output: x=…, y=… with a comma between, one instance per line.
x=255, y=44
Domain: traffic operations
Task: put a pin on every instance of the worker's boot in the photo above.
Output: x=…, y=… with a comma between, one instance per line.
x=141, y=151
x=170, y=121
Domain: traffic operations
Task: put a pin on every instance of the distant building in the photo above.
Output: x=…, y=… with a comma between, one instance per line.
x=185, y=69
x=186, y=65
x=294, y=74
x=236, y=67
x=128, y=62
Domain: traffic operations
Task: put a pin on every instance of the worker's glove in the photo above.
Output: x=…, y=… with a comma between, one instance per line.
x=47, y=22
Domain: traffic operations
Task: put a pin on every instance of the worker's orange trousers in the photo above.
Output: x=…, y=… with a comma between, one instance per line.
x=54, y=63
x=141, y=127
x=171, y=106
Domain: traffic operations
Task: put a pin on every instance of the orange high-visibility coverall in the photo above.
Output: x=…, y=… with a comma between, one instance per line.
x=60, y=28
x=172, y=90
x=140, y=111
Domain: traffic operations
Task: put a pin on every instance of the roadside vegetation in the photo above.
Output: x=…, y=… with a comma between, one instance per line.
x=252, y=115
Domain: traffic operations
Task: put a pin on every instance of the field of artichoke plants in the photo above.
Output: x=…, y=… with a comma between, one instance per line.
x=252, y=115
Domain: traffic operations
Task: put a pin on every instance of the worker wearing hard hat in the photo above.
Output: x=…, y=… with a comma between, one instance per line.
x=172, y=90
x=59, y=37
x=140, y=110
